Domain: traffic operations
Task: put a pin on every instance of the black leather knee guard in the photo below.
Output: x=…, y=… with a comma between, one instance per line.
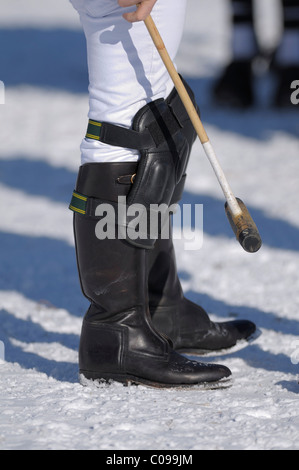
x=162, y=165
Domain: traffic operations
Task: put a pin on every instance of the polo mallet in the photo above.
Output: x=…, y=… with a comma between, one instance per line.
x=239, y=218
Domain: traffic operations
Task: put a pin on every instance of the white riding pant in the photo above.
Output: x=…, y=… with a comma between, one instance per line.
x=125, y=69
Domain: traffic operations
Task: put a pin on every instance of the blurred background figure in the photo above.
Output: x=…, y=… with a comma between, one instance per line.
x=235, y=87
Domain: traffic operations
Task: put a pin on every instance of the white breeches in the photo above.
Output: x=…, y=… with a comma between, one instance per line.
x=125, y=70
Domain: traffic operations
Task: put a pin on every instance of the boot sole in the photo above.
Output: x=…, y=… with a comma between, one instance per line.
x=90, y=378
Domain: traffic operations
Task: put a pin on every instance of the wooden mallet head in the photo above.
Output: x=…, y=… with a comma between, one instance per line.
x=244, y=228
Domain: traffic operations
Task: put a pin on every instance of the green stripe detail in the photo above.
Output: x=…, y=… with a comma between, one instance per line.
x=94, y=130
x=78, y=203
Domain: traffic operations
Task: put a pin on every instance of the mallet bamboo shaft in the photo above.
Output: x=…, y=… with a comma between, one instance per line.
x=194, y=117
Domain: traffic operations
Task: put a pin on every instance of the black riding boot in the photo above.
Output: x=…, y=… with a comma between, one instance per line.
x=118, y=340
x=186, y=323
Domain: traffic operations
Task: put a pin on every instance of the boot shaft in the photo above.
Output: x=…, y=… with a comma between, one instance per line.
x=113, y=273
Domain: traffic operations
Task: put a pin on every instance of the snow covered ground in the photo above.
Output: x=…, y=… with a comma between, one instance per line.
x=42, y=405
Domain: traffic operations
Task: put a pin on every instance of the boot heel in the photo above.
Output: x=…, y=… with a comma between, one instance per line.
x=100, y=348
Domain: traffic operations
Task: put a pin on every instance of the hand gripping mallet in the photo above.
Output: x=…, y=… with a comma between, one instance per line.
x=240, y=220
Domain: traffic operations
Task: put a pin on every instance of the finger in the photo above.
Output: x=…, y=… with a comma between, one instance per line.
x=141, y=13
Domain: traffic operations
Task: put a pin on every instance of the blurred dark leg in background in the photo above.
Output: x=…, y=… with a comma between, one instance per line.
x=286, y=62
x=234, y=88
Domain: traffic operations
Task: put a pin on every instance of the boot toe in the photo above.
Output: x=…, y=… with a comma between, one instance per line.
x=240, y=329
x=225, y=335
x=185, y=372
x=217, y=336
x=217, y=373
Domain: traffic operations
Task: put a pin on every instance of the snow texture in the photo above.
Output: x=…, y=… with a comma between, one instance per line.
x=42, y=404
